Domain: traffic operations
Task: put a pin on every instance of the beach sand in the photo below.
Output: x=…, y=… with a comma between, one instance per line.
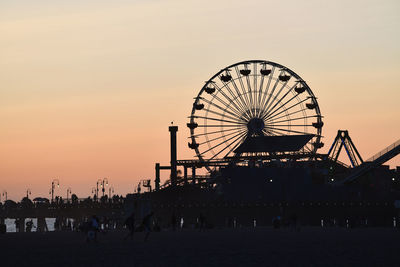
x=262, y=246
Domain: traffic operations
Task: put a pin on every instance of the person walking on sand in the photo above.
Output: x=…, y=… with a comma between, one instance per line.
x=147, y=225
x=29, y=226
x=93, y=228
x=42, y=225
x=130, y=224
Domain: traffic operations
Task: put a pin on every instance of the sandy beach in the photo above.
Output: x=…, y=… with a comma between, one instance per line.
x=217, y=247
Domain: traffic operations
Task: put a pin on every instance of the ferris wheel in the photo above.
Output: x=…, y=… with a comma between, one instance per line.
x=249, y=99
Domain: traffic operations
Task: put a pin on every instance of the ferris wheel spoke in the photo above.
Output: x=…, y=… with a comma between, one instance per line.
x=238, y=105
x=230, y=125
x=236, y=145
x=250, y=94
x=269, y=108
x=240, y=136
x=241, y=96
x=221, y=108
x=271, y=111
x=219, y=137
x=293, y=119
x=275, y=99
x=259, y=96
x=242, y=107
x=272, y=118
x=255, y=86
x=217, y=145
x=291, y=125
x=267, y=88
x=264, y=105
x=222, y=115
x=248, y=104
x=298, y=103
x=216, y=119
x=215, y=132
x=270, y=132
x=287, y=130
x=230, y=100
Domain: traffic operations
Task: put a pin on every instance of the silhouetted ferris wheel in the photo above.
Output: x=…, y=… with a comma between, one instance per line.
x=249, y=99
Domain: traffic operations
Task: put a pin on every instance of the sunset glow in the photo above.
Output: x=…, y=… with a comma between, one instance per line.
x=89, y=88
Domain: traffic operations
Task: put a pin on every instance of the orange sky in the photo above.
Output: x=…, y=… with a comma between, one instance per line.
x=89, y=88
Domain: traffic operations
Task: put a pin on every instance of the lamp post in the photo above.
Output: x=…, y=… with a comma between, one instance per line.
x=110, y=190
x=94, y=192
x=5, y=195
x=104, y=183
x=97, y=188
x=28, y=192
x=53, y=185
x=68, y=192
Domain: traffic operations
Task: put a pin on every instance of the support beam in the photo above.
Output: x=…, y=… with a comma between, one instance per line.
x=185, y=174
x=173, y=130
x=157, y=180
x=193, y=174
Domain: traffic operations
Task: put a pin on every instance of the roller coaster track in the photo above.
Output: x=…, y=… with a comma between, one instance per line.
x=378, y=159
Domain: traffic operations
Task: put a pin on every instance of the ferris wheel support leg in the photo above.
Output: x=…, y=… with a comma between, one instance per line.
x=185, y=174
x=193, y=174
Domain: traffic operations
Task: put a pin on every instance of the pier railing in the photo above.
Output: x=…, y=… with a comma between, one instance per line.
x=384, y=151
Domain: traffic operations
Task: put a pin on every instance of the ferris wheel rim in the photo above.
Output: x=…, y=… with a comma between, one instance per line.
x=280, y=67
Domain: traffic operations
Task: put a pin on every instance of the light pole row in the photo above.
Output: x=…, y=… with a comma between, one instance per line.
x=102, y=183
x=56, y=183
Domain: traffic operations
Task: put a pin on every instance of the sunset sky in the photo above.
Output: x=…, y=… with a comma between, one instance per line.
x=89, y=88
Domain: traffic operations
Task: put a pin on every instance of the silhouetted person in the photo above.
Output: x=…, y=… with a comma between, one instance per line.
x=42, y=225
x=57, y=224
x=3, y=226
x=130, y=224
x=16, y=225
x=147, y=225
x=93, y=228
x=29, y=226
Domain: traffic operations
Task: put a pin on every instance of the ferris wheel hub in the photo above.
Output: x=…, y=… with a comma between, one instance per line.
x=255, y=127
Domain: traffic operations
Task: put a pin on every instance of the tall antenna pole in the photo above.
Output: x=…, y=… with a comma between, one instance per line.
x=173, y=130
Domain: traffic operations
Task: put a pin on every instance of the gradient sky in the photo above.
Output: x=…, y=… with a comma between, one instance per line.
x=89, y=88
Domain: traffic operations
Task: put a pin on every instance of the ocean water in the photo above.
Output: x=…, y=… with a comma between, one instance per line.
x=10, y=224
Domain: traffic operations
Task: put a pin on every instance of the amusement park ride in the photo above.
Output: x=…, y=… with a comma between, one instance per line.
x=256, y=127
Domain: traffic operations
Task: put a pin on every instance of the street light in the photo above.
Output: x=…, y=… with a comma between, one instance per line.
x=68, y=192
x=97, y=188
x=110, y=190
x=53, y=185
x=94, y=192
x=28, y=192
x=104, y=183
x=5, y=194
